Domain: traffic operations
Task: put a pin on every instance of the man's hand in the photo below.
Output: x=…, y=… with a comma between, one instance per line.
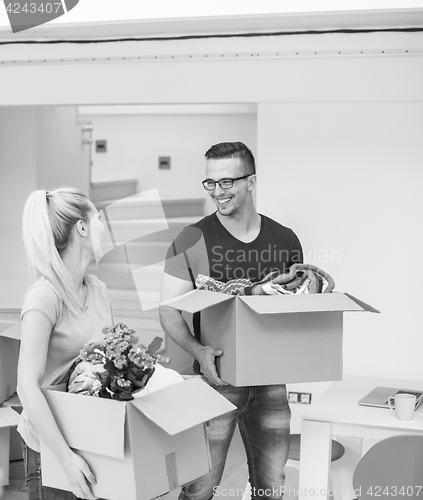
x=206, y=356
x=175, y=325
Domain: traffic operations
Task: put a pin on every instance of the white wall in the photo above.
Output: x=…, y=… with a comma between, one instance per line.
x=62, y=159
x=135, y=142
x=17, y=180
x=40, y=148
x=347, y=178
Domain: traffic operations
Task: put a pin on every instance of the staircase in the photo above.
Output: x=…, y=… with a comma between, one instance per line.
x=112, y=190
x=135, y=296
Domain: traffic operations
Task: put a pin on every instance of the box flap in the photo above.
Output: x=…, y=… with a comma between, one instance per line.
x=12, y=402
x=8, y=417
x=89, y=424
x=13, y=332
x=182, y=406
x=280, y=304
x=197, y=300
x=363, y=305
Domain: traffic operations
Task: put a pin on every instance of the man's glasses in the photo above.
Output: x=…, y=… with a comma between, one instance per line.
x=226, y=183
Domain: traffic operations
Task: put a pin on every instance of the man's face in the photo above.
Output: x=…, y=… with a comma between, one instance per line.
x=227, y=201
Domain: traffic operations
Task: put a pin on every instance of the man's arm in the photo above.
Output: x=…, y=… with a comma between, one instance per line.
x=174, y=324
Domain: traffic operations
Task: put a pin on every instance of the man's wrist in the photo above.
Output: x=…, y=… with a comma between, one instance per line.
x=196, y=349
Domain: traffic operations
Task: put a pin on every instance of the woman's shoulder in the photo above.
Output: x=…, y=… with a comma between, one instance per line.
x=42, y=288
x=41, y=296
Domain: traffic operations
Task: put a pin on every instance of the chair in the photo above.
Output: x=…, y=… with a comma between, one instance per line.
x=392, y=467
x=294, y=458
x=294, y=448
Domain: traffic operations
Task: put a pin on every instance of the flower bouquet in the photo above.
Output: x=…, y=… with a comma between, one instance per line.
x=117, y=368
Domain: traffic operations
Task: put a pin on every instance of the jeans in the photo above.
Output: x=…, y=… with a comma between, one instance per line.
x=263, y=417
x=36, y=491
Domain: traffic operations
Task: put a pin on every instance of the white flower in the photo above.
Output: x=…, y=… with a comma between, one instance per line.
x=84, y=376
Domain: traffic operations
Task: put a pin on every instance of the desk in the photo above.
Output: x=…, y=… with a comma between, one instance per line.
x=336, y=413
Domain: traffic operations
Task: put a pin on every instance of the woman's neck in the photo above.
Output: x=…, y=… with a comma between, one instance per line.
x=77, y=267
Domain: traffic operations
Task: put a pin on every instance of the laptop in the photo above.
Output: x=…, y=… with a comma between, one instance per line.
x=379, y=396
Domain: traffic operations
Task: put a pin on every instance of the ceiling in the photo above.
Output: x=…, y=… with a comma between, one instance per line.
x=222, y=25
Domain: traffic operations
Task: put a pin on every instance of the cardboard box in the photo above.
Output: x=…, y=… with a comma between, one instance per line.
x=9, y=354
x=8, y=418
x=15, y=438
x=273, y=339
x=139, y=449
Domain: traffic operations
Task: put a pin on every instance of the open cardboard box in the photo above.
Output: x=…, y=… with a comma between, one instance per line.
x=139, y=449
x=8, y=419
x=273, y=339
x=15, y=438
x=10, y=332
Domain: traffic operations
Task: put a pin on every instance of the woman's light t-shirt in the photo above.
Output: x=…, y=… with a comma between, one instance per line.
x=69, y=334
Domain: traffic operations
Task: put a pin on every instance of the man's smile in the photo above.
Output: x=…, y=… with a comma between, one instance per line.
x=223, y=201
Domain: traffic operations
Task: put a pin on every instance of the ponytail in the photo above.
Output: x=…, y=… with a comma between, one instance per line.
x=48, y=222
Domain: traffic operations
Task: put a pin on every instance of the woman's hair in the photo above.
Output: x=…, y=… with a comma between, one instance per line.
x=48, y=221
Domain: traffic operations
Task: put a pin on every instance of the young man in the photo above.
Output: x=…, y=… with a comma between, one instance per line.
x=234, y=242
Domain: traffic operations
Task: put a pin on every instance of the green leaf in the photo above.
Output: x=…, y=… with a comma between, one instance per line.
x=154, y=345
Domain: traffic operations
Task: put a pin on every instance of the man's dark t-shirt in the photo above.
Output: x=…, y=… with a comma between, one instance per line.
x=208, y=248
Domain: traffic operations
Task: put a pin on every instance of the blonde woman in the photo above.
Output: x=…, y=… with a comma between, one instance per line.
x=62, y=310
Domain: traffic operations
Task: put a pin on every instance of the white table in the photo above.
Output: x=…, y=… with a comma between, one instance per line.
x=336, y=413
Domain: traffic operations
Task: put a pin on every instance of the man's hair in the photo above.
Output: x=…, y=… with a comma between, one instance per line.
x=233, y=150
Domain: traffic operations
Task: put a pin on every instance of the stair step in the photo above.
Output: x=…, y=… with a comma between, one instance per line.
x=140, y=324
x=166, y=230
x=138, y=253
x=112, y=190
x=10, y=314
x=126, y=301
x=115, y=275
x=125, y=312
x=142, y=206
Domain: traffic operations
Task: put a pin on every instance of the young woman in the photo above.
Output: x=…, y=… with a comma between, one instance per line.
x=64, y=309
